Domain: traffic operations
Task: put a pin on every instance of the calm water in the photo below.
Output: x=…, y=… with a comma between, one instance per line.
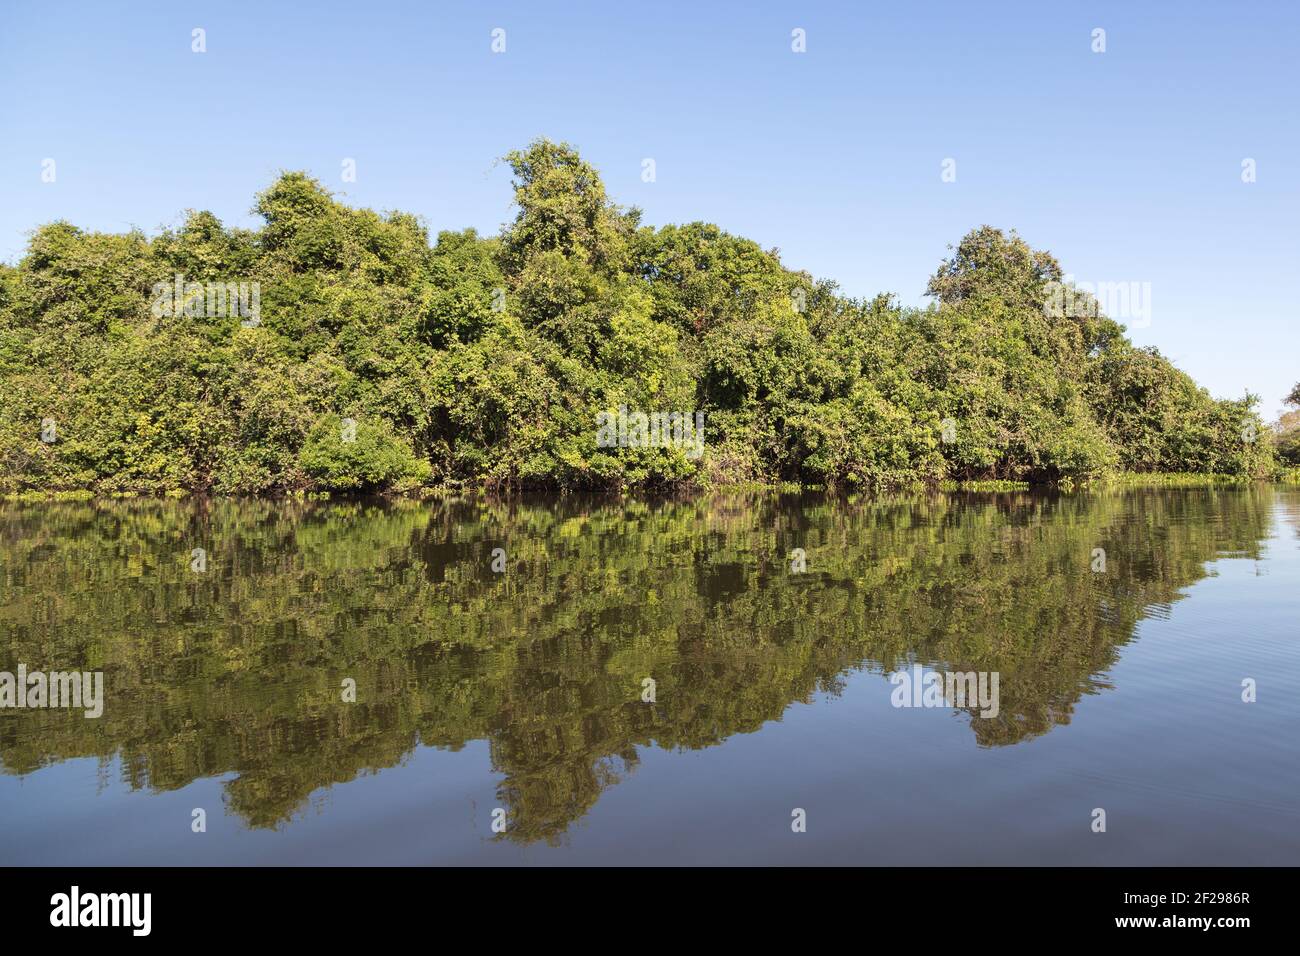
x=521, y=691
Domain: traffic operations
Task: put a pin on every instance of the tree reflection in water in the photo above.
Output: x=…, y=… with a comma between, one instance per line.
x=238, y=669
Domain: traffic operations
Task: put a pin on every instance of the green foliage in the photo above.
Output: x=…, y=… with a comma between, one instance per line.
x=485, y=361
x=368, y=458
x=1286, y=431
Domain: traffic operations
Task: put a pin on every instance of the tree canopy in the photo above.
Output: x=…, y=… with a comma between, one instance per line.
x=484, y=361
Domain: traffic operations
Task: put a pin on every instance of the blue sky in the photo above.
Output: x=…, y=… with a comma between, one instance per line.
x=1126, y=164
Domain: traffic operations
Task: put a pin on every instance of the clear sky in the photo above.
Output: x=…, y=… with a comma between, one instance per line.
x=1127, y=164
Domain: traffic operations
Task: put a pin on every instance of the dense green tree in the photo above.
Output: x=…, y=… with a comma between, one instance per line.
x=486, y=360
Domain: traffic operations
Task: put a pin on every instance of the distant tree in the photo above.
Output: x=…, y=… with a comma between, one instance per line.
x=1287, y=430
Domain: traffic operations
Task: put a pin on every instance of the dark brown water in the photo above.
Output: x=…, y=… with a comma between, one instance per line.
x=519, y=695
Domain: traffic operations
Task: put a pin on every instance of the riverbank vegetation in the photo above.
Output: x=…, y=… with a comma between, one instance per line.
x=380, y=359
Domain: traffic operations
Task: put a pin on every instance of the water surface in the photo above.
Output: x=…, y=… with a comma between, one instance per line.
x=519, y=694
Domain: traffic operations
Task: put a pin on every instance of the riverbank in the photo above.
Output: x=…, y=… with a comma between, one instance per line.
x=1290, y=476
